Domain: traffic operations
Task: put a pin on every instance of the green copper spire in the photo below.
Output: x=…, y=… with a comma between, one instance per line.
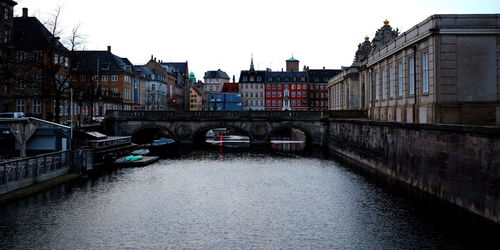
x=251, y=64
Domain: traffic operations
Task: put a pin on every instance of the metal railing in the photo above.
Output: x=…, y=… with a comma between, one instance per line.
x=29, y=167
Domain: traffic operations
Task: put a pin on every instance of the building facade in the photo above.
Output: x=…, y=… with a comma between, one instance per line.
x=106, y=82
x=195, y=99
x=213, y=82
x=318, y=90
x=39, y=70
x=6, y=26
x=252, y=84
x=443, y=70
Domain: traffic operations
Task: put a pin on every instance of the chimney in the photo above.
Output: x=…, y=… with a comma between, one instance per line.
x=151, y=57
x=234, y=79
x=25, y=12
x=155, y=59
x=323, y=67
x=109, y=48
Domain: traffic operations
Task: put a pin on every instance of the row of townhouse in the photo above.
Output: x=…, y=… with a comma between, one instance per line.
x=285, y=90
x=42, y=78
x=446, y=69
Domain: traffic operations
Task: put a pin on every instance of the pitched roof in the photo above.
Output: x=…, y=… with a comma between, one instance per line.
x=86, y=61
x=196, y=90
x=216, y=74
x=321, y=75
x=248, y=73
x=287, y=76
x=181, y=66
x=29, y=34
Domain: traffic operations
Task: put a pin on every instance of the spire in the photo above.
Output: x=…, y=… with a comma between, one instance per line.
x=251, y=64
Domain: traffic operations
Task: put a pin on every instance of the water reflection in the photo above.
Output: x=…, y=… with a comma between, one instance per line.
x=286, y=140
x=250, y=199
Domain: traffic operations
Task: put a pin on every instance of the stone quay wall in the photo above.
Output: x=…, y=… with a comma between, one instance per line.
x=458, y=163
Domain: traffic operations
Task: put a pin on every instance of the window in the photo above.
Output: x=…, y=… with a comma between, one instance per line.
x=245, y=79
x=391, y=81
x=425, y=72
x=411, y=75
x=302, y=78
x=6, y=36
x=274, y=94
x=279, y=93
x=5, y=14
x=400, y=78
x=371, y=85
x=83, y=78
x=293, y=93
x=279, y=86
x=37, y=56
x=20, y=105
x=268, y=94
x=270, y=79
x=37, y=106
x=299, y=93
x=114, y=78
x=56, y=58
x=294, y=103
x=377, y=85
x=21, y=56
x=259, y=78
x=268, y=102
x=20, y=83
x=37, y=83
x=104, y=78
x=72, y=78
x=274, y=103
x=153, y=86
x=384, y=83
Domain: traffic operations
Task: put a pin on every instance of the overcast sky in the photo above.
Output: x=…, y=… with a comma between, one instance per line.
x=222, y=34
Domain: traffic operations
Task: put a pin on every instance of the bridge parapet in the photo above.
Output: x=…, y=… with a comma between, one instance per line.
x=183, y=115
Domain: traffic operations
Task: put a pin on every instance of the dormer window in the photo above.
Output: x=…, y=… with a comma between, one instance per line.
x=105, y=66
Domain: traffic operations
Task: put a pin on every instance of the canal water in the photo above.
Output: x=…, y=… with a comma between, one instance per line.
x=226, y=200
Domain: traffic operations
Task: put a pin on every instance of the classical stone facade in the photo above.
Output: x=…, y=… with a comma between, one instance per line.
x=443, y=70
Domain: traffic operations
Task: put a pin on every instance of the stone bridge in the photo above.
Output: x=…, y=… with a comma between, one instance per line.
x=191, y=127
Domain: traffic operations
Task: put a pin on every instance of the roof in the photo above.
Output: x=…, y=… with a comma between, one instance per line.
x=286, y=76
x=86, y=61
x=196, y=90
x=29, y=33
x=181, y=66
x=322, y=75
x=230, y=87
x=9, y=2
x=248, y=73
x=292, y=59
x=216, y=74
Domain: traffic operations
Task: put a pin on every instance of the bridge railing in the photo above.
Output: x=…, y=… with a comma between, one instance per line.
x=162, y=115
x=28, y=167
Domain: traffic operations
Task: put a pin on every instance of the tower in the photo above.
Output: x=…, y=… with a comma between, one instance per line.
x=292, y=64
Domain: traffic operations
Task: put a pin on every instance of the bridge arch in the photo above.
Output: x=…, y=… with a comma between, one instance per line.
x=275, y=130
x=200, y=133
x=147, y=133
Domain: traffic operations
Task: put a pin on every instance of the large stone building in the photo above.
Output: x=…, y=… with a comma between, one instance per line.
x=443, y=70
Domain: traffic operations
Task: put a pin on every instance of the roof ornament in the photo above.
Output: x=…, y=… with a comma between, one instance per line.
x=386, y=22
